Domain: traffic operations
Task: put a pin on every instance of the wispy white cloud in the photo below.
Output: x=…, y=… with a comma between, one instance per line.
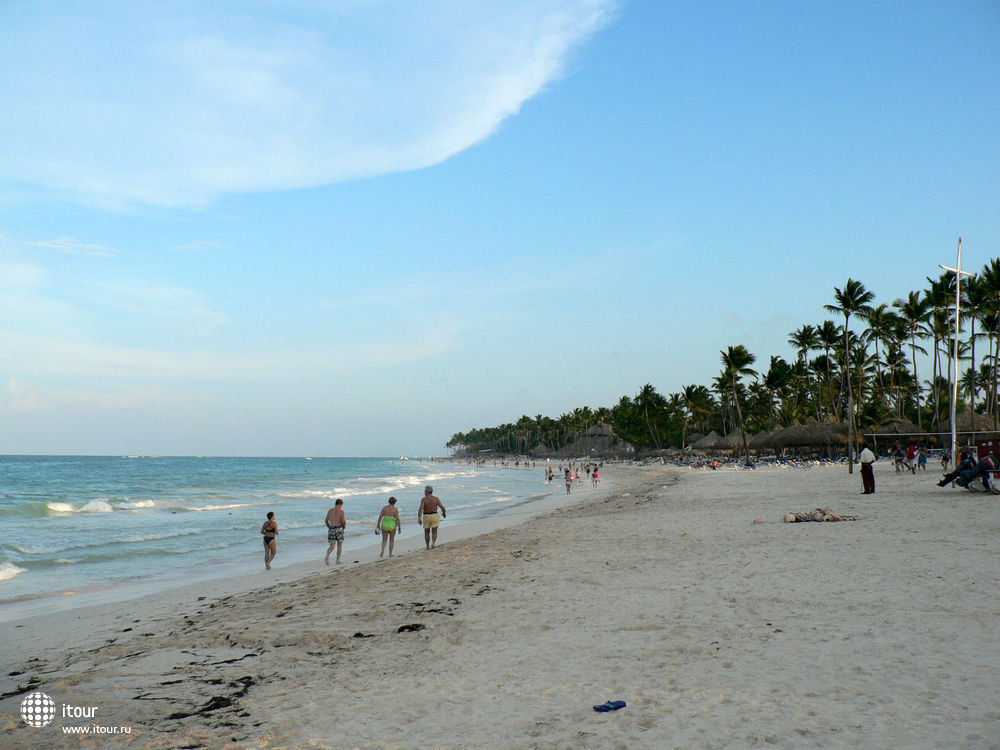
x=197, y=246
x=177, y=103
x=71, y=246
x=21, y=396
x=33, y=356
x=183, y=308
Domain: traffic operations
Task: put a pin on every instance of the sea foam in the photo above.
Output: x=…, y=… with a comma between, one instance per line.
x=9, y=570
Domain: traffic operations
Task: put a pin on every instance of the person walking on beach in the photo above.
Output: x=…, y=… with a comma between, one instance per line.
x=568, y=476
x=595, y=477
x=270, y=532
x=867, y=473
x=429, y=516
x=336, y=522
x=388, y=524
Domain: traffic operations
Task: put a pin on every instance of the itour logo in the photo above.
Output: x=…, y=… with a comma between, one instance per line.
x=38, y=710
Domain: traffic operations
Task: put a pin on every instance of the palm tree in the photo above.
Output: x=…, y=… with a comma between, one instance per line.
x=805, y=339
x=941, y=296
x=648, y=399
x=977, y=298
x=914, y=311
x=699, y=405
x=829, y=337
x=853, y=299
x=991, y=278
x=736, y=361
x=988, y=370
x=882, y=323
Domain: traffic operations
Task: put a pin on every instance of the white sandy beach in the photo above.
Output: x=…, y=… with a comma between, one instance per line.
x=657, y=590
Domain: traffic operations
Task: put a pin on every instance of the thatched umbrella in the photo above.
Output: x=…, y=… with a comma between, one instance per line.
x=813, y=434
x=765, y=440
x=720, y=443
x=899, y=427
x=789, y=436
x=707, y=442
x=693, y=438
x=827, y=433
x=733, y=441
x=982, y=423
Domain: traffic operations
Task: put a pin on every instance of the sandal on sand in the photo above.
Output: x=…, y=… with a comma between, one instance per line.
x=610, y=706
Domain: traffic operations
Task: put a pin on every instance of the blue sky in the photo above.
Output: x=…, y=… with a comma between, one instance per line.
x=356, y=227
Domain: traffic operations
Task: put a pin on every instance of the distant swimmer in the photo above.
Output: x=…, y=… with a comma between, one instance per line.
x=270, y=532
x=388, y=524
x=336, y=522
x=430, y=517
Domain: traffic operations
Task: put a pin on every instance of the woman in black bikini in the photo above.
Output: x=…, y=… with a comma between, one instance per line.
x=270, y=531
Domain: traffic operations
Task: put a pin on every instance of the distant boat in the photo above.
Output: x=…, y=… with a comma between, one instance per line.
x=309, y=458
x=404, y=458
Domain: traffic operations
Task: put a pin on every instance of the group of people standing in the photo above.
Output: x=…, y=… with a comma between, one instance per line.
x=429, y=515
x=573, y=473
x=967, y=469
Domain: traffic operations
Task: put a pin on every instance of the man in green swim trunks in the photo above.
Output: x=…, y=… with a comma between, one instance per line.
x=388, y=524
x=430, y=514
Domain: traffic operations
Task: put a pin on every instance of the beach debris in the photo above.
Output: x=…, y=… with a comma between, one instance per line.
x=820, y=514
x=412, y=628
x=364, y=635
x=33, y=683
x=610, y=706
x=242, y=687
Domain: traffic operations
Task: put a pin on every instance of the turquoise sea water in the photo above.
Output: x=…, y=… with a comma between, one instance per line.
x=85, y=523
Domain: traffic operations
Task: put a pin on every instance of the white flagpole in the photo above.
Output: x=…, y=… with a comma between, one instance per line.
x=954, y=358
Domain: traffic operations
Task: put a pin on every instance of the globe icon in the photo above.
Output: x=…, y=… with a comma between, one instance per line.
x=37, y=709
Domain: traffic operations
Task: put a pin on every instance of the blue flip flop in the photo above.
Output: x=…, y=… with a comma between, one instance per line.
x=610, y=706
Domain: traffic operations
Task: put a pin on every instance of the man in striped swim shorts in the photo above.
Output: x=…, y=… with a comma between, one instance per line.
x=336, y=520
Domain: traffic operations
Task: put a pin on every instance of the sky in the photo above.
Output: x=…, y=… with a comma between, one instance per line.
x=357, y=227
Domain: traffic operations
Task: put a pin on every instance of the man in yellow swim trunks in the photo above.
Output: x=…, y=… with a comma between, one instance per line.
x=430, y=516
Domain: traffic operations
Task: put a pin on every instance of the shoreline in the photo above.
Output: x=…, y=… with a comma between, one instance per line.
x=718, y=632
x=162, y=597
x=294, y=550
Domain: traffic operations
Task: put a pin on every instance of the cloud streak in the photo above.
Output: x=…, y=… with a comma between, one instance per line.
x=33, y=356
x=169, y=104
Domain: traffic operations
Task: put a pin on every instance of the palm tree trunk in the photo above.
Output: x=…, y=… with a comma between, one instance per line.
x=972, y=383
x=850, y=397
x=916, y=380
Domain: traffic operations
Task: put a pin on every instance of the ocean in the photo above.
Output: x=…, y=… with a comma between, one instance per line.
x=74, y=525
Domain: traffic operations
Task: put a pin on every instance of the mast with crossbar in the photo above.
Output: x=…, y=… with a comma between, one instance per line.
x=959, y=273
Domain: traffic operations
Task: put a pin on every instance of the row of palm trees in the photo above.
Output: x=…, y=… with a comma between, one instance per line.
x=861, y=369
